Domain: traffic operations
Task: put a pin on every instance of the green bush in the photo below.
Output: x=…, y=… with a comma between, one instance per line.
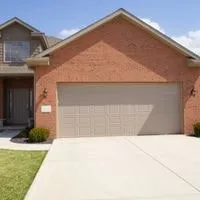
x=196, y=128
x=24, y=133
x=38, y=135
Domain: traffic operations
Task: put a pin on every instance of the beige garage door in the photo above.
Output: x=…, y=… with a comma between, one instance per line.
x=87, y=110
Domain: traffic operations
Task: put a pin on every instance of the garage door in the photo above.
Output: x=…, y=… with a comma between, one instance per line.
x=89, y=110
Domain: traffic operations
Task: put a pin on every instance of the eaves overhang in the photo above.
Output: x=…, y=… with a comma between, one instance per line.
x=35, y=62
x=193, y=63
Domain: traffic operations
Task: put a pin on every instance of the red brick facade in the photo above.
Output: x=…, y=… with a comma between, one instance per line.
x=117, y=52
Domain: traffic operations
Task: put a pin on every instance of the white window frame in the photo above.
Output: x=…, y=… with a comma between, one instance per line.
x=4, y=51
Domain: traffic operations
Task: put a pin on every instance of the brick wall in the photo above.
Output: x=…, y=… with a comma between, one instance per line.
x=117, y=52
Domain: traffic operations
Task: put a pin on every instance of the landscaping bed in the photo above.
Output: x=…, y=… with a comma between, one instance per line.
x=23, y=140
x=24, y=136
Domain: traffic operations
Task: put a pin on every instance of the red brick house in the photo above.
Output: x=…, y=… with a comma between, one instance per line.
x=118, y=76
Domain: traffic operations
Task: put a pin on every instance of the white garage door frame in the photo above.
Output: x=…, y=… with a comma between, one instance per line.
x=180, y=85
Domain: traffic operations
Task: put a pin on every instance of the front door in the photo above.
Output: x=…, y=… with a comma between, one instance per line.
x=19, y=106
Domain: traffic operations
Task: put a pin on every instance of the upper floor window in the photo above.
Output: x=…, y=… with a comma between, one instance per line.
x=16, y=51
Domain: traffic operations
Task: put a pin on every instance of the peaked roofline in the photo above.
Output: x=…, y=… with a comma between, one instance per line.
x=17, y=20
x=124, y=13
x=34, y=32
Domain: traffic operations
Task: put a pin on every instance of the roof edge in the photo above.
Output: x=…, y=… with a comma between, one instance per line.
x=42, y=36
x=193, y=63
x=17, y=20
x=131, y=18
x=34, y=62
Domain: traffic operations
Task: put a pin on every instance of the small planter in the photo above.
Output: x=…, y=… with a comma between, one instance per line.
x=35, y=135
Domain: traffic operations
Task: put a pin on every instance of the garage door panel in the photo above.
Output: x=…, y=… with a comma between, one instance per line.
x=115, y=130
x=99, y=125
x=113, y=109
x=83, y=110
x=69, y=121
x=99, y=120
x=68, y=111
x=118, y=109
x=114, y=119
x=100, y=131
x=99, y=109
x=84, y=121
x=84, y=132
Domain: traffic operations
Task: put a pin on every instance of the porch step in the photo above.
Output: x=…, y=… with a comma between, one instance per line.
x=12, y=128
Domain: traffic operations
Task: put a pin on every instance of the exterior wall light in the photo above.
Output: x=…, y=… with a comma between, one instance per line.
x=193, y=92
x=45, y=92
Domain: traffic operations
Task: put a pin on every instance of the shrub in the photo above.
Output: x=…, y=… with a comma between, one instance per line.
x=24, y=133
x=196, y=128
x=38, y=135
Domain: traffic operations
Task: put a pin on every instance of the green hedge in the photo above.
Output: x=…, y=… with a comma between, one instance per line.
x=38, y=135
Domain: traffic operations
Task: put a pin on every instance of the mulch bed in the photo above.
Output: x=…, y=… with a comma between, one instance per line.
x=25, y=141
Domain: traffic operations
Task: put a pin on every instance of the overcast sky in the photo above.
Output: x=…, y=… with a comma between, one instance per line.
x=178, y=19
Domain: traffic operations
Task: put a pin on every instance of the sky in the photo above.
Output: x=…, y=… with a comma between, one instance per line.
x=179, y=19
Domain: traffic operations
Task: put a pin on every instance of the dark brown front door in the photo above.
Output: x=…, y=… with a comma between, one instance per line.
x=20, y=106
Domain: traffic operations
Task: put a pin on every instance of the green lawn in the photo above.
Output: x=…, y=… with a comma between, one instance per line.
x=17, y=171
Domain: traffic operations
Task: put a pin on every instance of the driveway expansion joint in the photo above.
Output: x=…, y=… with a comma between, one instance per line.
x=156, y=160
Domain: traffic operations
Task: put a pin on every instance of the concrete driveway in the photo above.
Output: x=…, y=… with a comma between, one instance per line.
x=120, y=168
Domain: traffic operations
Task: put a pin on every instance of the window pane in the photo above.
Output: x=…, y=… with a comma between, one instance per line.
x=16, y=51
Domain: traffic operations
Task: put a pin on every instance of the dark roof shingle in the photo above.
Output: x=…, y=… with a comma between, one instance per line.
x=52, y=40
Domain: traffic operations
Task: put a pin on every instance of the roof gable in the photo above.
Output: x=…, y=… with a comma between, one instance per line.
x=19, y=21
x=34, y=32
x=133, y=19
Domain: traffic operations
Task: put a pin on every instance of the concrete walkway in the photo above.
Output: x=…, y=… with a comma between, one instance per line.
x=5, y=142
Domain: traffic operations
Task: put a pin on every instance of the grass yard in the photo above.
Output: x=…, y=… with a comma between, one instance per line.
x=17, y=171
